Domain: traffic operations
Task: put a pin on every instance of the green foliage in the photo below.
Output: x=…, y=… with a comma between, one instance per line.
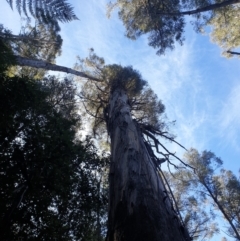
x=45, y=11
x=124, y=77
x=45, y=42
x=225, y=28
x=229, y=198
x=198, y=221
x=204, y=192
x=141, y=17
x=145, y=106
x=164, y=22
x=49, y=179
x=218, y=190
x=147, y=109
x=205, y=164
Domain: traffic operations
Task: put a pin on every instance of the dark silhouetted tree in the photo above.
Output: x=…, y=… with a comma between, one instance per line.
x=49, y=179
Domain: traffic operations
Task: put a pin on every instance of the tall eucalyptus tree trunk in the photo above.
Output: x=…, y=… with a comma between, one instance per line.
x=139, y=208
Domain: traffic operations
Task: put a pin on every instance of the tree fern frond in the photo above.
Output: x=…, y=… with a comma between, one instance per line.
x=19, y=6
x=51, y=9
x=24, y=7
x=10, y=2
x=38, y=8
x=43, y=10
x=31, y=7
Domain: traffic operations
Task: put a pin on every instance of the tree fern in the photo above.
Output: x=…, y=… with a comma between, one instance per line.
x=44, y=10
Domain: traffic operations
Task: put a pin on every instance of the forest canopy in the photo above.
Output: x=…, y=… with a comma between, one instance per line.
x=91, y=157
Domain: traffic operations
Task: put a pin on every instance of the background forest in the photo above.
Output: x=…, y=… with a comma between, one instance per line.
x=55, y=149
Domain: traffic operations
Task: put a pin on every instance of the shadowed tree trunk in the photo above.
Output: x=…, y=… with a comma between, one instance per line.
x=139, y=208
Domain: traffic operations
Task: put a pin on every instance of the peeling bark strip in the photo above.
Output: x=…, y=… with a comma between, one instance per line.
x=36, y=63
x=138, y=208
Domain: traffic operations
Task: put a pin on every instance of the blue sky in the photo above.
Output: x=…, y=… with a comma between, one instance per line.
x=199, y=87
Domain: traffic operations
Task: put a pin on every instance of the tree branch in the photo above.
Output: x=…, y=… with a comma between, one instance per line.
x=231, y=52
x=174, y=200
x=203, y=9
x=36, y=63
x=158, y=143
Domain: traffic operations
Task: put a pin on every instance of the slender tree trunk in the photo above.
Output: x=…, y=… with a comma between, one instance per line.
x=223, y=211
x=203, y=9
x=138, y=207
x=36, y=63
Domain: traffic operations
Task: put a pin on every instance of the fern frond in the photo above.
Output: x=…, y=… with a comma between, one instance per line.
x=19, y=6
x=38, y=8
x=24, y=7
x=31, y=8
x=10, y=2
x=44, y=10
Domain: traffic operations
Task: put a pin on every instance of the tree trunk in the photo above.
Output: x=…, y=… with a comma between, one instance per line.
x=36, y=63
x=139, y=208
x=223, y=211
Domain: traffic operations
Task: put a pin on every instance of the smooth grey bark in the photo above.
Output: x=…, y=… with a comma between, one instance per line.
x=203, y=9
x=139, y=209
x=36, y=63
